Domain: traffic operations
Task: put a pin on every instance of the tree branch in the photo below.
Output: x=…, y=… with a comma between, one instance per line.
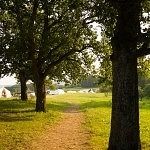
x=31, y=29
x=33, y=16
x=53, y=50
x=44, y=36
x=63, y=57
x=72, y=59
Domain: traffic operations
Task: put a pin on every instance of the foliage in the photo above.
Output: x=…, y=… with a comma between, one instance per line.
x=141, y=92
x=143, y=76
x=144, y=67
x=49, y=85
x=68, y=19
x=17, y=89
x=146, y=91
x=58, y=29
x=89, y=82
x=13, y=55
x=56, y=39
x=105, y=88
x=14, y=89
x=105, y=71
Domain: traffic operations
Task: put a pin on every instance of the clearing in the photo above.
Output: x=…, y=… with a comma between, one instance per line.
x=74, y=121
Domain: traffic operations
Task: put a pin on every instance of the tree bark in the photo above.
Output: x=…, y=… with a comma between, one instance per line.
x=40, y=96
x=124, y=134
x=39, y=81
x=23, y=85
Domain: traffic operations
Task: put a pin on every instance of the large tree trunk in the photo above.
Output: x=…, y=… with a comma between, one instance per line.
x=124, y=134
x=125, y=111
x=40, y=96
x=39, y=81
x=23, y=85
x=38, y=78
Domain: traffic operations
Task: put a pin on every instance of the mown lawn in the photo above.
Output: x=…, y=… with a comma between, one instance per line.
x=19, y=124
x=98, y=112
x=97, y=109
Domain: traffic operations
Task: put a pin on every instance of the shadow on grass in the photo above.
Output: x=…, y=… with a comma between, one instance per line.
x=18, y=106
x=58, y=106
x=11, y=104
x=145, y=104
x=8, y=117
x=95, y=104
x=107, y=104
x=17, y=110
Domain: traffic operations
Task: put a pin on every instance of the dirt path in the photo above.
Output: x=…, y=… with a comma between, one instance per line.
x=66, y=135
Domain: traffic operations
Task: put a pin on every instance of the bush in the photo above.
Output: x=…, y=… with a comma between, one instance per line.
x=147, y=90
x=105, y=89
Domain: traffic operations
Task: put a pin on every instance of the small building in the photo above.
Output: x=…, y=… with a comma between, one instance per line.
x=5, y=93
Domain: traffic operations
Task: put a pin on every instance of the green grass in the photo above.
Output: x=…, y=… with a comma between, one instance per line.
x=97, y=109
x=19, y=123
x=145, y=123
x=98, y=112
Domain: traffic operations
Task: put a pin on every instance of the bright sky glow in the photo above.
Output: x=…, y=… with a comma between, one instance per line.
x=97, y=29
x=8, y=80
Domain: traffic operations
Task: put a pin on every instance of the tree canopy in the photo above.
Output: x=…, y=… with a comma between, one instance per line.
x=50, y=36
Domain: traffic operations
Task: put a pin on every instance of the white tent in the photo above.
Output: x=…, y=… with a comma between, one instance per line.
x=56, y=92
x=5, y=93
x=60, y=91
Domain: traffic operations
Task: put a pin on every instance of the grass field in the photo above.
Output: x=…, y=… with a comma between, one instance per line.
x=19, y=124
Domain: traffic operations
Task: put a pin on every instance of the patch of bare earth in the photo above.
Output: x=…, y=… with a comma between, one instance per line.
x=68, y=134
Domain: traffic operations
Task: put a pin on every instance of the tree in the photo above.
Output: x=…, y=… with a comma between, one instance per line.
x=125, y=110
x=14, y=59
x=105, y=70
x=56, y=32
x=129, y=42
x=14, y=62
x=62, y=36
x=89, y=82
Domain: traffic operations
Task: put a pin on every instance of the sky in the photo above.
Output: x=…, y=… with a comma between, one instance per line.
x=9, y=80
